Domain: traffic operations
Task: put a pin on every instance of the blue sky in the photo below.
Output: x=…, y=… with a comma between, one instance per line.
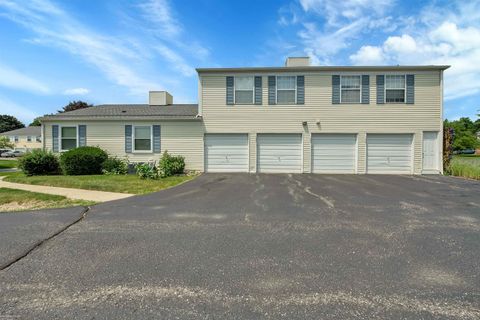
x=114, y=51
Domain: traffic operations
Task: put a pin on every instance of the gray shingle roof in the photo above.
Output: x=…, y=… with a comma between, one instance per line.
x=127, y=111
x=28, y=131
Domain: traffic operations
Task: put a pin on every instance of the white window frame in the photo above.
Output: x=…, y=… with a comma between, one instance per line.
x=404, y=88
x=235, y=89
x=60, y=137
x=276, y=89
x=360, y=88
x=133, y=138
x=29, y=138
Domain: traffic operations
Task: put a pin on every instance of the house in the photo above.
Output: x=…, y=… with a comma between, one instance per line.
x=25, y=139
x=296, y=118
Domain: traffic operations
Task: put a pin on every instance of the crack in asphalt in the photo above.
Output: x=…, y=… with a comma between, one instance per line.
x=41, y=242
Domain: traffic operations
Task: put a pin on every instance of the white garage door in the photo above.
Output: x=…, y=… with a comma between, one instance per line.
x=226, y=153
x=333, y=153
x=278, y=153
x=389, y=153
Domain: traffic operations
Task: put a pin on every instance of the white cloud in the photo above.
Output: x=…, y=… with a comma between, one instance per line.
x=443, y=40
x=76, y=92
x=14, y=79
x=55, y=27
x=368, y=55
x=160, y=12
x=177, y=61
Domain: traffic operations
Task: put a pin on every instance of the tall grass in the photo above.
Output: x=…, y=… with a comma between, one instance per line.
x=465, y=166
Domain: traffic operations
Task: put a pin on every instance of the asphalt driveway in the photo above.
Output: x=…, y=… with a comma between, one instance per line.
x=239, y=246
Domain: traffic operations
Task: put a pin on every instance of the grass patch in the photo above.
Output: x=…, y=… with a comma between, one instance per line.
x=112, y=183
x=467, y=166
x=19, y=200
x=8, y=164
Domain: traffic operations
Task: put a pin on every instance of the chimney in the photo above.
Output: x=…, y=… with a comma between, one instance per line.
x=297, y=62
x=159, y=98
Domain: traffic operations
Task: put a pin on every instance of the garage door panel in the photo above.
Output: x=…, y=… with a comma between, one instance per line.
x=226, y=153
x=278, y=153
x=333, y=153
x=389, y=153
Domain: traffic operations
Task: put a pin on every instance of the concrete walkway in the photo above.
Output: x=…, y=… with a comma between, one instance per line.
x=81, y=194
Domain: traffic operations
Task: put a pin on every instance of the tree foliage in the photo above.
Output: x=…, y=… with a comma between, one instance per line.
x=35, y=122
x=465, y=131
x=75, y=105
x=5, y=143
x=9, y=123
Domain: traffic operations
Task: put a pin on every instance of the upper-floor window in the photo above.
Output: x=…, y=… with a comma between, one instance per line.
x=244, y=90
x=395, y=88
x=350, y=89
x=29, y=139
x=286, y=89
x=68, y=138
x=142, y=138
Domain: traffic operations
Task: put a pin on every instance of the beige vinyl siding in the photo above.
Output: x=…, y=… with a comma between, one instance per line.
x=424, y=115
x=23, y=142
x=178, y=137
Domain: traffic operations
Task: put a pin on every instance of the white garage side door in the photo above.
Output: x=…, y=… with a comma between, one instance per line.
x=389, y=153
x=334, y=153
x=279, y=153
x=226, y=153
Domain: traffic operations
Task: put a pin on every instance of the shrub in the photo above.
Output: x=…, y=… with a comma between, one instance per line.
x=39, y=162
x=171, y=165
x=147, y=171
x=83, y=161
x=116, y=166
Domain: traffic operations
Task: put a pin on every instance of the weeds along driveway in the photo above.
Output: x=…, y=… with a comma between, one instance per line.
x=239, y=246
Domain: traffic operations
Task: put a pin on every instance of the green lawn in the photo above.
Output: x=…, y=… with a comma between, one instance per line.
x=6, y=164
x=467, y=166
x=19, y=200
x=113, y=183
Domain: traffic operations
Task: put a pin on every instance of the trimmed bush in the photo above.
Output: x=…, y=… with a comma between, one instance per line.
x=115, y=166
x=83, y=161
x=147, y=171
x=39, y=162
x=171, y=165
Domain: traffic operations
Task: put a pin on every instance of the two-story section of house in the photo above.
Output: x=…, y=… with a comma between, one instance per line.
x=292, y=119
x=320, y=119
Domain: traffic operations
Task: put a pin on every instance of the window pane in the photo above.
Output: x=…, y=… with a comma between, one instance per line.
x=39, y=139
x=395, y=95
x=69, y=132
x=244, y=83
x=395, y=82
x=350, y=82
x=286, y=96
x=245, y=97
x=68, y=144
x=286, y=82
x=142, y=133
x=350, y=96
x=142, y=144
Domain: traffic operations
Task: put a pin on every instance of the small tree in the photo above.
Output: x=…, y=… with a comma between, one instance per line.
x=75, y=105
x=35, y=122
x=9, y=123
x=5, y=143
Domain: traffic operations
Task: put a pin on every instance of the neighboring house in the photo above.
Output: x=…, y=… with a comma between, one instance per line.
x=297, y=118
x=25, y=139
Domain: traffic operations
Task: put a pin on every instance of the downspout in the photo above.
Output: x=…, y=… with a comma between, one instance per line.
x=441, y=123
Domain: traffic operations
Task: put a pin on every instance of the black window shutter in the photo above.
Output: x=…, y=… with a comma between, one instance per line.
x=300, y=89
x=272, y=87
x=230, y=84
x=258, y=90
x=335, y=89
x=55, y=142
x=380, y=89
x=365, y=89
x=410, y=89
x=128, y=138
x=156, y=139
x=82, y=135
